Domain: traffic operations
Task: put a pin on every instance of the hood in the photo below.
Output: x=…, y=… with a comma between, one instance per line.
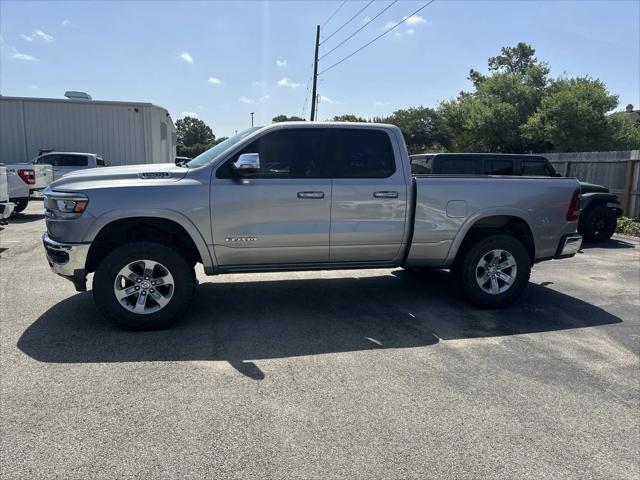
x=129, y=174
x=586, y=187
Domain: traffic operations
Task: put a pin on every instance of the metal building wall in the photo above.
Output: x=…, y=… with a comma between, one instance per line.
x=123, y=133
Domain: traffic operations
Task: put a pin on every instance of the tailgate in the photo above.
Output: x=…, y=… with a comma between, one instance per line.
x=44, y=176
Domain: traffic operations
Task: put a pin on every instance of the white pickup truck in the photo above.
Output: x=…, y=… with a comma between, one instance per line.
x=298, y=196
x=24, y=180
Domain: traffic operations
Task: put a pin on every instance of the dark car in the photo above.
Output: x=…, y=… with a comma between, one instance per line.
x=600, y=208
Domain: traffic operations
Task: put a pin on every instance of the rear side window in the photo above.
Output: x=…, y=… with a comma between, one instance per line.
x=360, y=153
x=72, y=161
x=290, y=153
x=498, y=166
x=535, y=168
x=46, y=160
x=459, y=166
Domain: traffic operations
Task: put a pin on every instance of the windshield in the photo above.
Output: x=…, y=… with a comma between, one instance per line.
x=213, y=152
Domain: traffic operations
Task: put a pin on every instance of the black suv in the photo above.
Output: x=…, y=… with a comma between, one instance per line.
x=600, y=208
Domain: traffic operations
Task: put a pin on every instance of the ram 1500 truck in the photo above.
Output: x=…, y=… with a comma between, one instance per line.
x=298, y=196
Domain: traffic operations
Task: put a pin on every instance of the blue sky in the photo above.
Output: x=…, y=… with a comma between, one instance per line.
x=222, y=60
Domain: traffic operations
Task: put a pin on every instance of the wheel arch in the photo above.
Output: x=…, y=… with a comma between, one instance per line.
x=482, y=225
x=169, y=228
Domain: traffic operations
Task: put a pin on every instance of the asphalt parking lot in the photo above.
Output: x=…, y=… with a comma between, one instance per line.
x=347, y=374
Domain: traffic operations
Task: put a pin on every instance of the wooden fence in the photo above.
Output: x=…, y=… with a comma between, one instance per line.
x=619, y=171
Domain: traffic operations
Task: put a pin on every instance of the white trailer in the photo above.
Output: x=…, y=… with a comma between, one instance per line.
x=123, y=133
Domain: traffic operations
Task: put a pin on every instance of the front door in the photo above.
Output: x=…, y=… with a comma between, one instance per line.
x=280, y=214
x=369, y=200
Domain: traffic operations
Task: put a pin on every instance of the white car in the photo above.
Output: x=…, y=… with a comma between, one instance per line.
x=65, y=162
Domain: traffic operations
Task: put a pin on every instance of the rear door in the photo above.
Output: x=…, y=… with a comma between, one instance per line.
x=369, y=201
x=281, y=214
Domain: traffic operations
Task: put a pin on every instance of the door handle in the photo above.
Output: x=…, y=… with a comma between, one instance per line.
x=385, y=194
x=310, y=194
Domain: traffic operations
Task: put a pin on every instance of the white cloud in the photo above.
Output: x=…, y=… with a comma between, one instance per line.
x=365, y=19
x=380, y=103
x=39, y=35
x=66, y=22
x=214, y=81
x=16, y=55
x=186, y=57
x=285, y=82
x=33, y=87
x=388, y=25
x=259, y=84
x=410, y=31
x=281, y=62
x=252, y=101
x=45, y=37
x=188, y=114
x=414, y=20
x=324, y=99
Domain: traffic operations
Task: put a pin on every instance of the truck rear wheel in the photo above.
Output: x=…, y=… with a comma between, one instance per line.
x=143, y=286
x=494, y=271
x=598, y=224
x=20, y=206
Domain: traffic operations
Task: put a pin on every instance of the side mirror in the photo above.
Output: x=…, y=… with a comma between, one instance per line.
x=247, y=163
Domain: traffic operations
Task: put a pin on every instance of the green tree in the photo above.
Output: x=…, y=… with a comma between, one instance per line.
x=194, y=137
x=421, y=128
x=284, y=118
x=573, y=117
x=348, y=117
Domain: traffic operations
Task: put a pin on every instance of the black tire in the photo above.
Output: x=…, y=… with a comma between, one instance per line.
x=466, y=268
x=598, y=224
x=107, y=272
x=20, y=206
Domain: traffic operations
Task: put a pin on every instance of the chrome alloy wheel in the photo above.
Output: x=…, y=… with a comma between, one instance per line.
x=144, y=286
x=496, y=271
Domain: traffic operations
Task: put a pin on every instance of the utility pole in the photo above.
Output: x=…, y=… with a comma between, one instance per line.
x=315, y=75
x=252, y=119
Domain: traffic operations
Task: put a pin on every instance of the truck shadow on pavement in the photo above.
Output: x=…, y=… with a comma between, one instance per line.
x=243, y=321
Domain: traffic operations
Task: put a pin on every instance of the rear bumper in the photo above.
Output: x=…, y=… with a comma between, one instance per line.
x=68, y=260
x=569, y=246
x=6, y=209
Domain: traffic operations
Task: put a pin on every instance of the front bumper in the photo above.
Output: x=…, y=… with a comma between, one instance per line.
x=569, y=245
x=68, y=260
x=6, y=209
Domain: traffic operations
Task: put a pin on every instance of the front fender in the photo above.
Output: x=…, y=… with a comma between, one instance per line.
x=106, y=218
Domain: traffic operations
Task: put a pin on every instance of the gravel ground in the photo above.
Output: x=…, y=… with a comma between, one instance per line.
x=320, y=375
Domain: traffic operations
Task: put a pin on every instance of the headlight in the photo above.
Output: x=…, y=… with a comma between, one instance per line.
x=65, y=205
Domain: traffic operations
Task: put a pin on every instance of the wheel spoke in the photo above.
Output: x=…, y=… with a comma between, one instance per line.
x=508, y=279
x=159, y=298
x=124, y=293
x=140, y=303
x=494, y=285
x=507, y=263
x=149, y=265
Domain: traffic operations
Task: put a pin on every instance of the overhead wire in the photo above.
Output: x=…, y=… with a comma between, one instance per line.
x=347, y=22
x=376, y=38
x=334, y=13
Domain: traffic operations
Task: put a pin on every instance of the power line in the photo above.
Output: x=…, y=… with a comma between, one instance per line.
x=345, y=23
x=352, y=35
x=334, y=13
x=376, y=38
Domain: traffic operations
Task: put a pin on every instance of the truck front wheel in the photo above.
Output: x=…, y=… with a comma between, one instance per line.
x=143, y=286
x=494, y=271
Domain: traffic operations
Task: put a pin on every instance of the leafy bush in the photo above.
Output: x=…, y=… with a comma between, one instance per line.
x=628, y=226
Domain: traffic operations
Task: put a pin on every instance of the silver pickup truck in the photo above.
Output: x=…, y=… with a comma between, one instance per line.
x=298, y=196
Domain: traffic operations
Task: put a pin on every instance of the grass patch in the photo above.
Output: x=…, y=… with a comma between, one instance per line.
x=628, y=226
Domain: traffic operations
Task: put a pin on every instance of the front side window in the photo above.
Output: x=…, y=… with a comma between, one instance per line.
x=290, y=153
x=360, y=153
x=72, y=161
x=460, y=166
x=535, y=168
x=495, y=166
